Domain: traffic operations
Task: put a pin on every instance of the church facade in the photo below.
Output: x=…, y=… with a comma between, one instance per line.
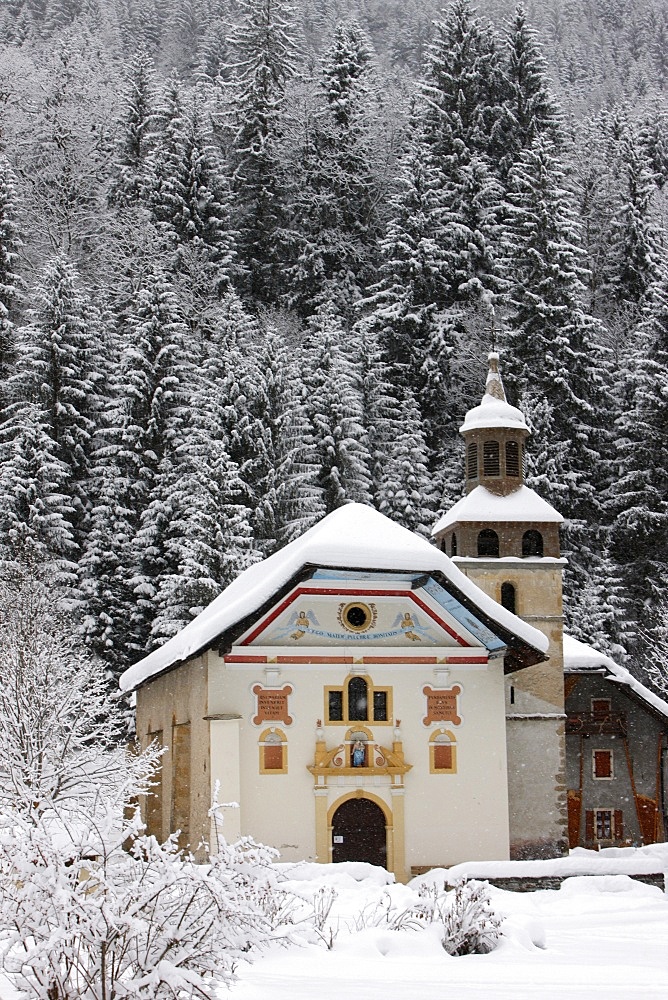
x=365, y=695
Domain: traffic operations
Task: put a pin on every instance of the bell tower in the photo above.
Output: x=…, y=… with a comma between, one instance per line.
x=506, y=539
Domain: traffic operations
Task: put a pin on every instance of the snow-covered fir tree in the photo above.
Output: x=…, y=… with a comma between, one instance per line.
x=137, y=439
x=333, y=402
x=190, y=197
x=405, y=492
x=138, y=131
x=639, y=492
x=59, y=371
x=10, y=243
x=289, y=500
x=265, y=58
x=36, y=511
x=529, y=109
x=333, y=220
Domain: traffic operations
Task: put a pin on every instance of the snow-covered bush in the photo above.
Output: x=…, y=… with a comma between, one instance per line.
x=61, y=739
x=90, y=907
x=470, y=926
x=84, y=917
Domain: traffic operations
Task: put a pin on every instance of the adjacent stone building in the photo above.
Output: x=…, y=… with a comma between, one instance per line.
x=616, y=753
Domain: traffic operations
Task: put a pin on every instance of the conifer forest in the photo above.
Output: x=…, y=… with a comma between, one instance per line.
x=253, y=256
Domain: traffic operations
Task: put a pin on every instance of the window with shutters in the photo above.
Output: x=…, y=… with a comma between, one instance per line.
x=512, y=459
x=472, y=461
x=357, y=700
x=273, y=752
x=491, y=464
x=602, y=764
x=442, y=752
x=604, y=826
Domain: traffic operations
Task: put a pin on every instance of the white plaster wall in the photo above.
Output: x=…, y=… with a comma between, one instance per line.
x=449, y=818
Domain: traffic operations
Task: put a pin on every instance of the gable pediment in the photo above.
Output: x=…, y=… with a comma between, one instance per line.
x=356, y=610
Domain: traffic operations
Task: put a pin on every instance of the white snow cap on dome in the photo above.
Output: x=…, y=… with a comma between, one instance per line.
x=494, y=410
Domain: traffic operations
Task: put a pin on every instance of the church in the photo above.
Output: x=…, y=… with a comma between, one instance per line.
x=366, y=695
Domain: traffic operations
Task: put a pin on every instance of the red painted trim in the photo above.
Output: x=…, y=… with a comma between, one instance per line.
x=399, y=659
x=231, y=658
x=467, y=659
x=338, y=592
x=424, y=659
x=314, y=659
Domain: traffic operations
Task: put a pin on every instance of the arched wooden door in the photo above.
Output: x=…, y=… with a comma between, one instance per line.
x=358, y=833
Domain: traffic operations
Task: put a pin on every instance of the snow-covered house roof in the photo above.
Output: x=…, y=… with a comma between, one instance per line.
x=483, y=505
x=579, y=658
x=353, y=537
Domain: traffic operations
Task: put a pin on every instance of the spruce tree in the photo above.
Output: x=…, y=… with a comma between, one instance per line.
x=141, y=431
x=190, y=198
x=639, y=493
x=59, y=371
x=10, y=243
x=289, y=500
x=552, y=346
x=334, y=405
x=208, y=539
x=529, y=110
x=463, y=87
x=635, y=238
x=405, y=491
x=36, y=512
x=333, y=224
x=138, y=132
x=264, y=53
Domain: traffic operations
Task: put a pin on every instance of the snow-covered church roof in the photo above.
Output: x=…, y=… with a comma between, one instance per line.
x=580, y=658
x=353, y=537
x=523, y=504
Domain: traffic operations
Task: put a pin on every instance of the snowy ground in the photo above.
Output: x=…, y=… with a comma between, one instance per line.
x=604, y=936
x=597, y=936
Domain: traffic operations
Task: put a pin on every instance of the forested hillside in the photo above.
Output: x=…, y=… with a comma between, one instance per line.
x=253, y=256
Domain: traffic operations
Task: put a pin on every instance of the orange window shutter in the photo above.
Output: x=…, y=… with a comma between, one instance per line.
x=603, y=763
x=619, y=824
x=273, y=758
x=442, y=757
x=589, y=824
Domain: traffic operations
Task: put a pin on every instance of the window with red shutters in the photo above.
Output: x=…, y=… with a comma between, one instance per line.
x=604, y=824
x=602, y=763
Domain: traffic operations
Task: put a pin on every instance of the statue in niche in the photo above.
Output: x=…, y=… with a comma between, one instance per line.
x=359, y=754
